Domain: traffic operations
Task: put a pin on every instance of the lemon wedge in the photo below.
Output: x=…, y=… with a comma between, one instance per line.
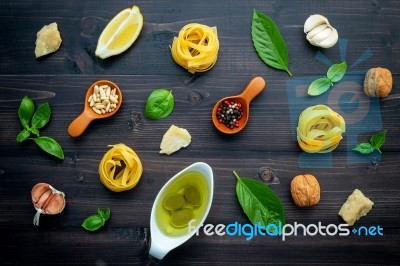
x=120, y=33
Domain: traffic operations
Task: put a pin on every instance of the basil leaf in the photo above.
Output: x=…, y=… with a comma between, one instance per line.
x=34, y=131
x=378, y=140
x=41, y=116
x=336, y=72
x=93, y=223
x=100, y=212
x=259, y=202
x=364, y=148
x=23, y=135
x=50, y=146
x=106, y=214
x=319, y=86
x=268, y=42
x=159, y=104
x=25, y=111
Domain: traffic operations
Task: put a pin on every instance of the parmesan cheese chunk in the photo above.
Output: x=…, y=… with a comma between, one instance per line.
x=356, y=206
x=48, y=40
x=174, y=139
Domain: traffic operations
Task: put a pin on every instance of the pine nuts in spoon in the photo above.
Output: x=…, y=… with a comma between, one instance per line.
x=103, y=100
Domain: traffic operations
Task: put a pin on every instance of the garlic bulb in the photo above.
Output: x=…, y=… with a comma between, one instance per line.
x=46, y=200
x=319, y=32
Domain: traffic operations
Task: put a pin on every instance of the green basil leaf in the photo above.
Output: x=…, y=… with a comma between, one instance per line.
x=23, y=135
x=336, y=72
x=93, y=223
x=319, y=86
x=41, y=116
x=34, y=131
x=259, y=202
x=159, y=104
x=100, y=212
x=25, y=111
x=378, y=139
x=268, y=42
x=106, y=214
x=364, y=148
x=50, y=146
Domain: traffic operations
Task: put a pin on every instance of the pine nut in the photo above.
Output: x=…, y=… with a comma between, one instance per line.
x=113, y=99
x=96, y=111
x=102, y=93
x=104, y=99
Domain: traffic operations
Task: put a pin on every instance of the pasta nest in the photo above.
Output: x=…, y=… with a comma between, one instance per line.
x=320, y=129
x=120, y=169
x=196, y=47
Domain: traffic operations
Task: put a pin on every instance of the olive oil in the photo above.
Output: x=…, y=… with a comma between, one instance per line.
x=185, y=181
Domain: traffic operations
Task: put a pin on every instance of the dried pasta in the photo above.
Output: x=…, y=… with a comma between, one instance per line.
x=320, y=129
x=120, y=169
x=196, y=47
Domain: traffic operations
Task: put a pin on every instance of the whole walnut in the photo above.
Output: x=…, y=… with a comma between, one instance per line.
x=378, y=82
x=305, y=190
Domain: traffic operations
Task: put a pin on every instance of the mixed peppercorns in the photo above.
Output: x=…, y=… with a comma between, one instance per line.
x=229, y=113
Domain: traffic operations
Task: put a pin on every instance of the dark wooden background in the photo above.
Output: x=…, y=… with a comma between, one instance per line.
x=62, y=78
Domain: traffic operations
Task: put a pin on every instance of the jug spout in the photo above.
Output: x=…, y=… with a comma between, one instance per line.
x=158, y=251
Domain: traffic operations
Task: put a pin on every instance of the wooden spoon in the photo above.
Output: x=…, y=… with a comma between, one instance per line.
x=79, y=124
x=255, y=86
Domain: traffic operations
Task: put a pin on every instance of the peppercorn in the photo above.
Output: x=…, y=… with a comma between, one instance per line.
x=229, y=113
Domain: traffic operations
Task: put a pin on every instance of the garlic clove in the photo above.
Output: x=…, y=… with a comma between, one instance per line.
x=314, y=21
x=317, y=39
x=42, y=199
x=47, y=200
x=56, y=205
x=38, y=190
x=319, y=32
x=331, y=40
x=315, y=31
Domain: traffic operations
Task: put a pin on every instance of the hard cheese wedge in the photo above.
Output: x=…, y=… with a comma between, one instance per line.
x=356, y=206
x=48, y=40
x=174, y=139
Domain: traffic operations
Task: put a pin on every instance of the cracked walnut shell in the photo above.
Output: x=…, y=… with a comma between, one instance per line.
x=378, y=82
x=305, y=190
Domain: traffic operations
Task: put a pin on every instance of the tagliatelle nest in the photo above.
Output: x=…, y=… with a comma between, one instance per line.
x=196, y=47
x=120, y=169
x=320, y=129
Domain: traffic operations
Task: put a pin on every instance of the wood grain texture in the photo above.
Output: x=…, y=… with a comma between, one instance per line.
x=369, y=37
